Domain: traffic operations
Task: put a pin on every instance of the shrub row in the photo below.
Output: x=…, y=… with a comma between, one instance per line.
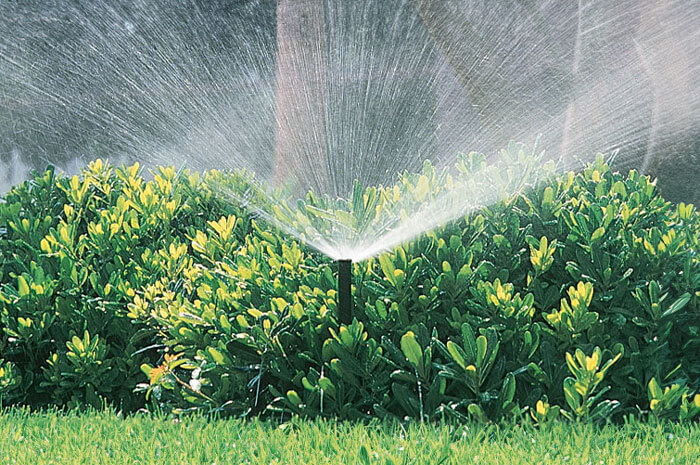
x=577, y=299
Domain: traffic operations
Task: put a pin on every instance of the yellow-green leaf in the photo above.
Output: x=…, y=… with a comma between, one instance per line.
x=22, y=286
x=216, y=355
x=597, y=234
x=411, y=349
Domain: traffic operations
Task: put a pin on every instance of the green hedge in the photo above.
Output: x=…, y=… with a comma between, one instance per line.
x=578, y=299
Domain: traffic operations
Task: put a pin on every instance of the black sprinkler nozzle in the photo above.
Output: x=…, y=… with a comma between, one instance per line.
x=344, y=291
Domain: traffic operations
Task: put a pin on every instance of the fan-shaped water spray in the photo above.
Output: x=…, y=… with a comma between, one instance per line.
x=336, y=96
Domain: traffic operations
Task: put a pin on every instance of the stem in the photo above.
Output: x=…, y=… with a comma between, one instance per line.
x=187, y=386
x=420, y=396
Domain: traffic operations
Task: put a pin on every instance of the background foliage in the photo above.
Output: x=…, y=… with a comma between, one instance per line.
x=578, y=299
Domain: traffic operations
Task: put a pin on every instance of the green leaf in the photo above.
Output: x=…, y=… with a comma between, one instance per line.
x=387, y=268
x=604, y=410
x=469, y=341
x=294, y=398
x=217, y=356
x=655, y=389
x=146, y=368
x=406, y=399
x=477, y=413
x=677, y=305
x=307, y=385
x=22, y=286
x=597, y=234
x=481, y=346
x=225, y=324
x=548, y=196
x=411, y=349
x=457, y=354
x=403, y=375
x=508, y=389
x=573, y=399
x=327, y=386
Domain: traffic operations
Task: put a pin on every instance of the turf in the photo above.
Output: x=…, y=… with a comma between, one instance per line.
x=109, y=438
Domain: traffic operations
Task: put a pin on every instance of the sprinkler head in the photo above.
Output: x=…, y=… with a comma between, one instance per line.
x=344, y=291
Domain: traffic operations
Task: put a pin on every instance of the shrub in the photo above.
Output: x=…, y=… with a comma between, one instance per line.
x=569, y=299
x=73, y=253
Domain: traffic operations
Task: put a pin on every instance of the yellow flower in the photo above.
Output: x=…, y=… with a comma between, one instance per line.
x=156, y=373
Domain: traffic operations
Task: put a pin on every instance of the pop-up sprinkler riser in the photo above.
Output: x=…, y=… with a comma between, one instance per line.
x=344, y=291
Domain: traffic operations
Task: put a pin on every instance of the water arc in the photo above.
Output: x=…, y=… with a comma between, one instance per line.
x=326, y=95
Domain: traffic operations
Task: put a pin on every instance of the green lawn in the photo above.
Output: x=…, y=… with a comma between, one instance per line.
x=95, y=438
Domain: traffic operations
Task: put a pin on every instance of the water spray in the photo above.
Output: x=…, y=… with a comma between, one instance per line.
x=344, y=291
x=328, y=92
